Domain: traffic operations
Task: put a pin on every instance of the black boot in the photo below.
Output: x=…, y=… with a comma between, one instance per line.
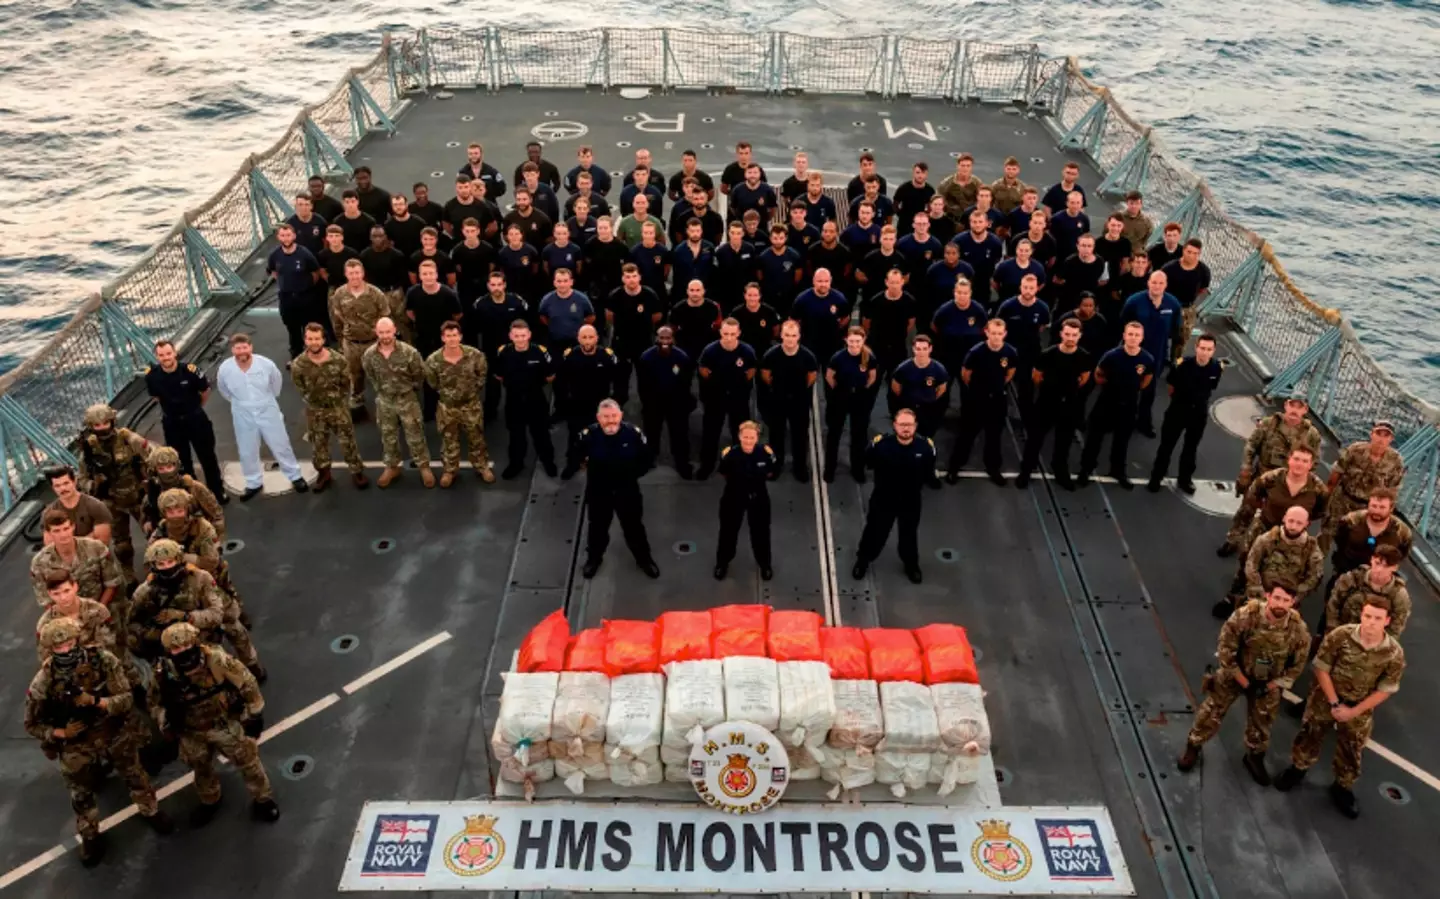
x=1153, y=485
x=1226, y=550
x=1255, y=764
x=913, y=573
x=1344, y=799
x=160, y=823
x=1189, y=757
x=265, y=810
x=92, y=850
x=1223, y=609
x=720, y=569
x=858, y=572
x=203, y=813
x=1289, y=779
x=592, y=565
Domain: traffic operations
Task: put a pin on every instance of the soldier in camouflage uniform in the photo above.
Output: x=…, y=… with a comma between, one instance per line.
x=173, y=591
x=1379, y=578
x=1287, y=551
x=355, y=308
x=76, y=706
x=324, y=385
x=1357, y=668
x=89, y=562
x=457, y=373
x=1262, y=650
x=397, y=371
x=1008, y=191
x=1138, y=226
x=97, y=628
x=1268, y=448
x=1275, y=492
x=1362, y=468
x=211, y=704
x=960, y=189
x=112, y=469
x=165, y=474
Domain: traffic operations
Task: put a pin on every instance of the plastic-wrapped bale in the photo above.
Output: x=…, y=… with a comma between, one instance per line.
x=807, y=704
x=912, y=734
x=805, y=762
x=849, y=752
x=633, y=729
x=964, y=735
x=694, y=702
x=577, y=728
x=752, y=691
x=529, y=775
x=522, y=730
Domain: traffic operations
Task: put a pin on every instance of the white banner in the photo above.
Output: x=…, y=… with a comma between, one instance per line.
x=794, y=848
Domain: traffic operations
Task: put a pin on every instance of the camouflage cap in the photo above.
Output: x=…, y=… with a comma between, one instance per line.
x=163, y=551
x=1384, y=424
x=59, y=632
x=180, y=635
x=165, y=455
x=174, y=498
x=99, y=414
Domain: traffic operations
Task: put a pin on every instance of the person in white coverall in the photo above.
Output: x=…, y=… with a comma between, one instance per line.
x=251, y=382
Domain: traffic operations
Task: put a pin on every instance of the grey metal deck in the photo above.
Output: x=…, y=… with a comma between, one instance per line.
x=1091, y=609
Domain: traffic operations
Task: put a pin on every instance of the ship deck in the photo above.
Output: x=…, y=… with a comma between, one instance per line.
x=1091, y=610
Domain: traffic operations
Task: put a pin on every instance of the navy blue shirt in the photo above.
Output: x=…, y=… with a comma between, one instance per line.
x=614, y=460
x=1161, y=324
x=884, y=208
x=760, y=198
x=852, y=372
x=777, y=275
x=557, y=257
x=652, y=262
x=1194, y=383
x=521, y=268
x=664, y=376
x=819, y=317
x=488, y=322
x=919, y=386
x=959, y=329
x=733, y=269
x=1056, y=196
x=655, y=195
x=941, y=280
x=686, y=265
x=566, y=315
x=989, y=369
x=801, y=238
x=818, y=212
x=1019, y=221
x=901, y=470
x=1067, y=231
x=293, y=270
x=1123, y=375
x=860, y=240
x=311, y=234
x=789, y=374
x=1008, y=275
x=524, y=372
x=634, y=317
x=599, y=179
x=543, y=198
x=728, y=368
x=982, y=255
x=747, y=473
x=1023, y=324
x=920, y=254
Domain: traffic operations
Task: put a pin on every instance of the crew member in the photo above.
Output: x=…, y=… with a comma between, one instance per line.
x=1363, y=531
x=1362, y=468
x=1123, y=374
x=546, y=169
x=1061, y=374
x=759, y=322
x=617, y=456
x=1275, y=491
x=960, y=189
x=97, y=628
x=586, y=376
x=788, y=372
x=182, y=391
x=988, y=368
x=727, y=369
x=850, y=379
x=920, y=384
x=1026, y=318
x=1158, y=312
x=1192, y=382
x=958, y=325
x=1379, y=578
x=1189, y=282
x=165, y=474
x=662, y=377
x=251, y=383
x=632, y=311
x=398, y=370
x=112, y=469
x=1285, y=550
x=296, y=272
x=523, y=369
x=355, y=307
x=96, y=573
x=457, y=373
x=903, y=463
x=564, y=310
x=695, y=321
x=823, y=314
x=86, y=513
x=1267, y=448
x=746, y=465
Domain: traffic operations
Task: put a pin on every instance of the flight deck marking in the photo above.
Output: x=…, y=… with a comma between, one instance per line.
x=893, y=133
x=562, y=130
x=1388, y=755
x=652, y=125
x=169, y=789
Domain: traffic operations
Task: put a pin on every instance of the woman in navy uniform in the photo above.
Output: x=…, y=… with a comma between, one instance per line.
x=746, y=466
x=850, y=377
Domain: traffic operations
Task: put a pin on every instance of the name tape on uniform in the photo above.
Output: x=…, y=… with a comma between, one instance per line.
x=661, y=848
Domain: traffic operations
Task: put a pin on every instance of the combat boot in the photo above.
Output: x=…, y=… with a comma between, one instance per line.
x=92, y=850
x=160, y=823
x=1255, y=764
x=1154, y=485
x=388, y=476
x=486, y=473
x=446, y=479
x=592, y=565
x=359, y=480
x=1225, y=550
x=261, y=675
x=265, y=810
x=427, y=477
x=322, y=480
x=1289, y=779
x=1344, y=799
x=203, y=813
x=1223, y=609
x=1189, y=757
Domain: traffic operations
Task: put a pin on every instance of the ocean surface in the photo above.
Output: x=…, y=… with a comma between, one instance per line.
x=1317, y=123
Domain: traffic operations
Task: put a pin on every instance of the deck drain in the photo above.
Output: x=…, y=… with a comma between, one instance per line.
x=942, y=127
x=345, y=643
x=297, y=767
x=452, y=144
x=1037, y=159
x=796, y=147
x=1003, y=775
x=1395, y=793
x=794, y=121
x=858, y=124
x=232, y=547
x=947, y=555
x=467, y=118
x=684, y=547
x=1019, y=133
x=708, y=120
x=627, y=118
x=867, y=149
x=622, y=144
x=954, y=154
x=551, y=113
x=916, y=146
x=707, y=146
x=382, y=546
x=437, y=174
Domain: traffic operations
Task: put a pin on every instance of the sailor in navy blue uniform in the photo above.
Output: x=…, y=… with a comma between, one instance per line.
x=987, y=369
x=850, y=376
x=1027, y=318
x=920, y=384
x=524, y=368
x=182, y=390
x=1163, y=318
x=982, y=251
x=959, y=326
x=746, y=466
x=586, y=376
x=727, y=368
x=663, y=375
x=296, y=272
x=1192, y=382
x=617, y=456
x=903, y=462
x=787, y=385
x=1122, y=375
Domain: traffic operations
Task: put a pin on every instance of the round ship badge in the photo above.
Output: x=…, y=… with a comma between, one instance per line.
x=739, y=768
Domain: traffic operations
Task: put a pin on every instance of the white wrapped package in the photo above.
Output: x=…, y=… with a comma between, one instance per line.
x=964, y=735
x=633, y=729
x=848, y=759
x=694, y=702
x=523, y=726
x=513, y=771
x=577, y=728
x=912, y=733
x=752, y=691
x=678, y=774
x=803, y=763
x=807, y=704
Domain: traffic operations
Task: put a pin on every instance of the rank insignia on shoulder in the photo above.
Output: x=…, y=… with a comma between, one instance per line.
x=190, y=366
x=877, y=438
x=147, y=369
x=725, y=452
x=768, y=450
x=567, y=351
x=609, y=352
x=542, y=347
x=931, y=442
x=585, y=433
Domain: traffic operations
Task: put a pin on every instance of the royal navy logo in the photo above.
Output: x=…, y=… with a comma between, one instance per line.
x=1000, y=855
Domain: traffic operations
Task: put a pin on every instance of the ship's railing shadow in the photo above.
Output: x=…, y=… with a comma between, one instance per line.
x=205, y=261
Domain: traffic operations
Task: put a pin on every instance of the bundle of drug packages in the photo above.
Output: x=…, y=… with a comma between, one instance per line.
x=752, y=691
x=520, y=741
x=577, y=728
x=807, y=713
x=694, y=702
x=633, y=729
x=848, y=759
x=912, y=734
x=964, y=735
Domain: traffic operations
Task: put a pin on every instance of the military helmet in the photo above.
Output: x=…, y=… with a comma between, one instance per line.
x=180, y=635
x=99, y=414
x=164, y=455
x=59, y=632
x=174, y=498
x=163, y=551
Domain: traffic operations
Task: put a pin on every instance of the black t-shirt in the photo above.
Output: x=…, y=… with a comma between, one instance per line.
x=1079, y=277
x=432, y=214
x=178, y=391
x=375, y=202
x=1193, y=382
x=1096, y=337
x=856, y=187
x=652, y=262
x=521, y=268
x=677, y=183
x=1113, y=253
x=488, y=322
x=789, y=374
x=356, y=230
x=1062, y=373
x=793, y=187
x=472, y=267
x=889, y=324
x=456, y=213
x=634, y=317
x=405, y=235
x=444, y=266
x=852, y=371
x=603, y=261
x=801, y=238
x=387, y=269
x=989, y=369
x=1161, y=257
x=536, y=227
x=744, y=198
x=728, y=368
x=1185, y=286
x=523, y=372
x=919, y=386
x=1123, y=375
x=910, y=201
x=1042, y=251
x=333, y=265
x=877, y=264
x=695, y=326
x=834, y=259
x=327, y=207
x=778, y=274
x=733, y=270
x=757, y=328
x=431, y=310
x=1024, y=324
x=735, y=174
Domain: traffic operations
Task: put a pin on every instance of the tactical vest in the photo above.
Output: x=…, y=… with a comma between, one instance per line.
x=113, y=461
x=196, y=700
x=88, y=676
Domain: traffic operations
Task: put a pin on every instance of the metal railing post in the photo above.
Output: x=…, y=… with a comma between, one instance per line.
x=665, y=60
x=319, y=149
x=362, y=107
x=1187, y=212
x=264, y=195
x=1086, y=133
x=1284, y=383
x=1131, y=171
x=1226, y=298
x=203, y=260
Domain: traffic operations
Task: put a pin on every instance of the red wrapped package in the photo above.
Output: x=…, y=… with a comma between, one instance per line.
x=894, y=655
x=739, y=630
x=794, y=636
x=631, y=647
x=586, y=651
x=684, y=636
x=947, y=655
x=844, y=651
x=544, y=647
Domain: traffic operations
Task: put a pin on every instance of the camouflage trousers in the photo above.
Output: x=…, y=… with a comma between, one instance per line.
x=354, y=354
x=1350, y=739
x=450, y=420
x=120, y=514
x=394, y=415
x=326, y=423
x=80, y=766
x=198, y=749
x=1336, y=507
x=238, y=635
x=404, y=328
x=1188, y=317
x=1221, y=693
